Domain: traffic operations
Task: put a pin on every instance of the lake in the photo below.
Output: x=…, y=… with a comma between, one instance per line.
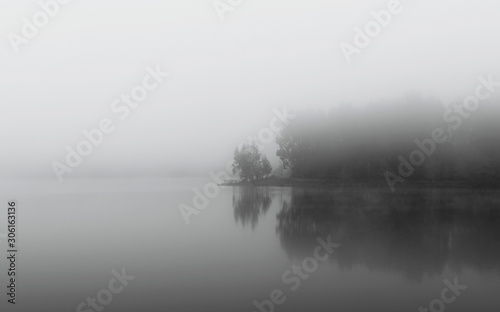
x=395, y=250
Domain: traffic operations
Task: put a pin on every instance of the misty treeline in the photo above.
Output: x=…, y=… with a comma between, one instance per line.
x=250, y=164
x=352, y=143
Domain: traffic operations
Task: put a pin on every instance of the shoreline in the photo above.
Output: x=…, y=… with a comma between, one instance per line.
x=303, y=182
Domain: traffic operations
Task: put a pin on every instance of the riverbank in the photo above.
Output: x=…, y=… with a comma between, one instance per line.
x=300, y=182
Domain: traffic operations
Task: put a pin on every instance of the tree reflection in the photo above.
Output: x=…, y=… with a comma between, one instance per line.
x=250, y=203
x=413, y=233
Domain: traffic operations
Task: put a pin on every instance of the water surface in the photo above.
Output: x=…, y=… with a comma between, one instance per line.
x=395, y=248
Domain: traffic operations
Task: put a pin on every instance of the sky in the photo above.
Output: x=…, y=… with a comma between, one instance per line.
x=226, y=76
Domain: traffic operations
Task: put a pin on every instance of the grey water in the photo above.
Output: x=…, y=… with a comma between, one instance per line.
x=396, y=249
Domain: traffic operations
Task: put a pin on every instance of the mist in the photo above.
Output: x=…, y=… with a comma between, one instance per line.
x=226, y=77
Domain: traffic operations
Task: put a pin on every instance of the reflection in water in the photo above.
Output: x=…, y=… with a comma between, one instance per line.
x=250, y=203
x=412, y=233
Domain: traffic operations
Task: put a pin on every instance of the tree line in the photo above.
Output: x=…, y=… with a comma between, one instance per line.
x=360, y=143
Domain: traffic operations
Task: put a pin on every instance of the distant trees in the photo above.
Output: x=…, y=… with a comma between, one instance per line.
x=250, y=164
x=351, y=143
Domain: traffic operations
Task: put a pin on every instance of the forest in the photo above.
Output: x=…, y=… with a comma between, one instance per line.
x=393, y=139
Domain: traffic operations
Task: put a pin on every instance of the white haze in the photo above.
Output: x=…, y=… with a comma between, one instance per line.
x=226, y=77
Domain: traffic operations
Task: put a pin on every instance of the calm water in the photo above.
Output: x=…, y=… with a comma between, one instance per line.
x=395, y=249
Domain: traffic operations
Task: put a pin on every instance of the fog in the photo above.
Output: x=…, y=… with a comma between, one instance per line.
x=226, y=77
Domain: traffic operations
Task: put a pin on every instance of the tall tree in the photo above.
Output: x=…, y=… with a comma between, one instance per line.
x=250, y=164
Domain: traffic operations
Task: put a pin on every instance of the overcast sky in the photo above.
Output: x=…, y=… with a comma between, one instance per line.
x=226, y=76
